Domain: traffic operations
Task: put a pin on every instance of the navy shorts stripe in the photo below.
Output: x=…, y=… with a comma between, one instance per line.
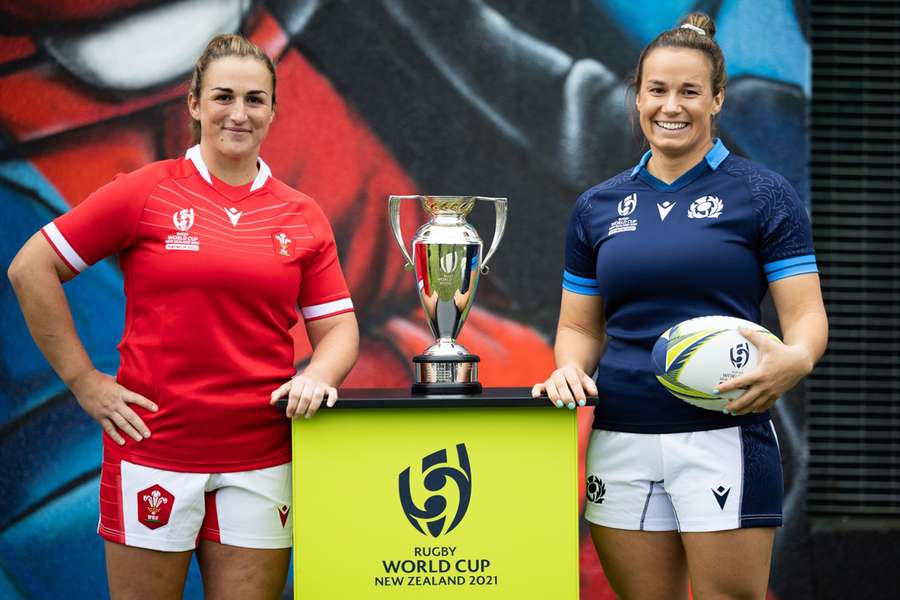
x=763, y=482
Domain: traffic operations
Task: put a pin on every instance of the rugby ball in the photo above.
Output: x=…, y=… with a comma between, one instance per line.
x=695, y=356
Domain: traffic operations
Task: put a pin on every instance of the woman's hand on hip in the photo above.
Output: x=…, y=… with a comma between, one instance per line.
x=780, y=368
x=305, y=395
x=107, y=402
x=567, y=386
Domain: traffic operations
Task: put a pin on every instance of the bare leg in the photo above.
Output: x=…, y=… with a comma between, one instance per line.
x=732, y=564
x=230, y=572
x=138, y=573
x=642, y=565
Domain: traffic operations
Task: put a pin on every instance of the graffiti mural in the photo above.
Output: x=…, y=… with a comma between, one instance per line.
x=506, y=98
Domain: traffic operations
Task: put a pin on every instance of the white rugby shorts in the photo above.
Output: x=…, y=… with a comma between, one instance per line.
x=171, y=511
x=696, y=481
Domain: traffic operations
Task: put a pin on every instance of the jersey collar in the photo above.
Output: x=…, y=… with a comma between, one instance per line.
x=713, y=158
x=193, y=154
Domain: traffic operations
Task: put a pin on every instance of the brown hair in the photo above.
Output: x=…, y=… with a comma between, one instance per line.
x=220, y=47
x=684, y=35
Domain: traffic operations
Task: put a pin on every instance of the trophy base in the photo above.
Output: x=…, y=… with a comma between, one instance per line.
x=455, y=389
x=446, y=374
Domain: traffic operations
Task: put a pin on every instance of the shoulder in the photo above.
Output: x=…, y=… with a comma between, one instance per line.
x=763, y=183
x=604, y=191
x=133, y=188
x=156, y=171
x=286, y=193
x=311, y=210
x=149, y=176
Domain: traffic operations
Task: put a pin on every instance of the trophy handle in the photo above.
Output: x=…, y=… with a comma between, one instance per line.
x=499, y=228
x=394, y=212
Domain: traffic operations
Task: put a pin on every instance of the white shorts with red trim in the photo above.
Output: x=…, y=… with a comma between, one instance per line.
x=171, y=511
x=695, y=481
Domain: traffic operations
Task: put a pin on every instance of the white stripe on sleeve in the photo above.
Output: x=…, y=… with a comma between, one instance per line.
x=328, y=308
x=62, y=245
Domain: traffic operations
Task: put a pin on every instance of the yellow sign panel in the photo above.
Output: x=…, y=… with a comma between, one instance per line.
x=437, y=503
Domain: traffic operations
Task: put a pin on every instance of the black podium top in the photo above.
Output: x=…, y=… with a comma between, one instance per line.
x=403, y=398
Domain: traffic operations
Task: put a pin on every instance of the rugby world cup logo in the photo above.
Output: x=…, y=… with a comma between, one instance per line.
x=445, y=492
x=627, y=205
x=183, y=219
x=740, y=354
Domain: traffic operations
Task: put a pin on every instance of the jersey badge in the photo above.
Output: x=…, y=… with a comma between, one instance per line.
x=596, y=489
x=182, y=239
x=284, y=246
x=234, y=215
x=154, y=506
x=707, y=207
x=664, y=209
x=626, y=207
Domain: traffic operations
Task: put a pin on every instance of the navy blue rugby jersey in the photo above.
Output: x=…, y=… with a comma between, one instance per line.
x=709, y=243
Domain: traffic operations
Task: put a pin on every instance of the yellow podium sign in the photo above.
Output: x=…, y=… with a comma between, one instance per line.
x=462, y=501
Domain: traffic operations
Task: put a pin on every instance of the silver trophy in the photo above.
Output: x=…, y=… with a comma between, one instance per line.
x=447, y=260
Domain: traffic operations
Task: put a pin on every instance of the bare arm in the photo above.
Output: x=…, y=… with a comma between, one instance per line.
x=37, y=274
x=580, y=341
x=804, y=325
x=335, y=342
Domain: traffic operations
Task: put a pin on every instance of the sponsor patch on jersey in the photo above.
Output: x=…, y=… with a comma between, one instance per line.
x=155, y=506
x=624, y=223
x=706, y=207
x=182, y=239
x=283, y=244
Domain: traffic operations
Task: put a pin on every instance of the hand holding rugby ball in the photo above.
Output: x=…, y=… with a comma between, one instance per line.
x=697, y=355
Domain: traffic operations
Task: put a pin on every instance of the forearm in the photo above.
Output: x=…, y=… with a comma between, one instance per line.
x=334, y=354
x=49, y=320
x=578, y=348
x=809, y=332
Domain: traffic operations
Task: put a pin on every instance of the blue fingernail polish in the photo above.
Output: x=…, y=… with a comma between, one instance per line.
x=581, y=403
x=571, y=406
x=724, y=411
x=715, y=392
x=559, y=404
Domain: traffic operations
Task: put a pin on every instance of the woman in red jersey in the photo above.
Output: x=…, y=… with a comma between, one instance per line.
x=216, y=255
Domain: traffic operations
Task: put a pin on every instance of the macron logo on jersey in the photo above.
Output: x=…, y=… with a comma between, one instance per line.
x=234, y=215
x=664, y=209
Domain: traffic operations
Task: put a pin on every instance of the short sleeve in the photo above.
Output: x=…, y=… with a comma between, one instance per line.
x=785, y=234
x=580, y=275
x=102, y=225
x=323, y=289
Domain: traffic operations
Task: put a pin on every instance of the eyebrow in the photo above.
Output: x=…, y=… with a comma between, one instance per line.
x=686, y=84
x=231, y=91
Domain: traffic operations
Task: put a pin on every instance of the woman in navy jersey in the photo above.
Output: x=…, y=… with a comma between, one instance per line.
x=676, y=492
x=217, y=255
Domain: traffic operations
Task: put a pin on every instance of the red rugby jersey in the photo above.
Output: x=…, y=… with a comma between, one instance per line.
x=213, y=277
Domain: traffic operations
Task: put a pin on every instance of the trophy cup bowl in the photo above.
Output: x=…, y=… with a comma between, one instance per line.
x=446, y=256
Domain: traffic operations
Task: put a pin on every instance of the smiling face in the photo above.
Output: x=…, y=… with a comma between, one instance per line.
x=235, y=106
x=675, y=102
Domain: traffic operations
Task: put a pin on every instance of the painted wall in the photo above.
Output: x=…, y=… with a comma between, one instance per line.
x=507, y=98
